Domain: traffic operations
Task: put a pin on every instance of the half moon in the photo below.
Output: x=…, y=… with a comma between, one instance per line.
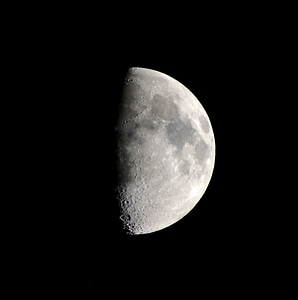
x=166, y=151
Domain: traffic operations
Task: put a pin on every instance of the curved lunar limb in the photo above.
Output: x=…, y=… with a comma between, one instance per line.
x=166, y=151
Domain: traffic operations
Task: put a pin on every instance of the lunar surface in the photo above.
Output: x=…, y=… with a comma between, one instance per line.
x=166, y=151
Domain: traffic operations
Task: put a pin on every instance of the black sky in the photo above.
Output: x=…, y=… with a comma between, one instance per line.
x=77, y=67
x=220, y=234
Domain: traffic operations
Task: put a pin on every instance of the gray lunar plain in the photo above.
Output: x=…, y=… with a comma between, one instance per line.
x=166, y=151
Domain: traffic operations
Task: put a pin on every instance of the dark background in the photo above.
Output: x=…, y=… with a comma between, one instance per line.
x=73, y=65
x=221, y=237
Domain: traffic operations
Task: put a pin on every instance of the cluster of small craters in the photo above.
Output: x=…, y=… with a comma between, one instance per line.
x=129, y=226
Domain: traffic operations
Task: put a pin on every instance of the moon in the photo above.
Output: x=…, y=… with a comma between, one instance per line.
x=165, y=151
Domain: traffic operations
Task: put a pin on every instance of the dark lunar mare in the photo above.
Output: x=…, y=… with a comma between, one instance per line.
x=179, y=132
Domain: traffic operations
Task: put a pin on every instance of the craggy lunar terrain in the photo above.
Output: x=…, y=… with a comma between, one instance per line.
x=166, y=151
